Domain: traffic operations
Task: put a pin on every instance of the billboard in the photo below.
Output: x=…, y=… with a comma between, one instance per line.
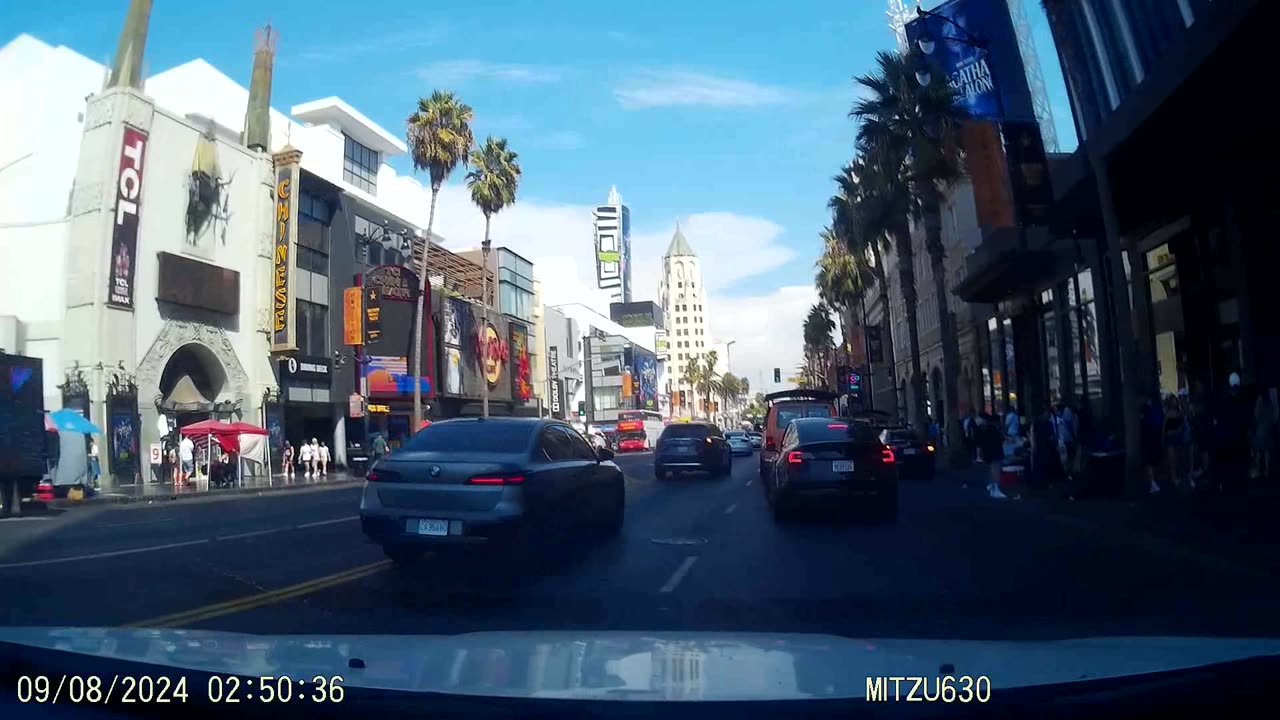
x=990, y=82
x=390, y=295
x=637, y=314
x=283, y=309
x=557, y=385
x=521, y=374
x=352, y=316
x=626, y=254
x=973, y=44
x=645, y=374
x=474, y=351
x=124, y=237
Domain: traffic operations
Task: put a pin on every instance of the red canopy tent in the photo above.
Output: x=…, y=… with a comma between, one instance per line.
x=227, y=435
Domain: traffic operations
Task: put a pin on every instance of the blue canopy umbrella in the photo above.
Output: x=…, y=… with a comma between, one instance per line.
x=68, y=420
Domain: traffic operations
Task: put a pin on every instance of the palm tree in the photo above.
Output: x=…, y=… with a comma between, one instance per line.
x=858, y=219
x=817, y=343
x=494, y=177
x=730, y=387
x=710, y=379
x=887, y=190
x=692, y=379
x=926, y=121
x=841, y=279
x=439, y=138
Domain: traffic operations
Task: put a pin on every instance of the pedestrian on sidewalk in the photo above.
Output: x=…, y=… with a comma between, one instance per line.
x=306, y=458
x=1232, y=421
x=187, y=454
x=1068, y=435
x=324, y=459
x=992, y=448
x=379, y=446
x=95, y=463
x=1176, y=440
x=969, y=426
x=286, y=463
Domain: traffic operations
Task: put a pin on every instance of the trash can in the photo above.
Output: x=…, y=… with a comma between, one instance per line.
x=357, y=460
x=1104, y=476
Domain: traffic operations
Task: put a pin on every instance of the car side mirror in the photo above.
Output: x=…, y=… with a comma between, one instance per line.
x=604, y=454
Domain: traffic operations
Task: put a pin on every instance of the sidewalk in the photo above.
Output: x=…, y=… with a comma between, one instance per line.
x=160, y=492
x=1242, y=527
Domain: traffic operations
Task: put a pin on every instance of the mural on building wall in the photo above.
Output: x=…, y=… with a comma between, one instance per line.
x=492, y=352
x=207, y=203
x=646, y=376
x=521, y=374
x=474, y=352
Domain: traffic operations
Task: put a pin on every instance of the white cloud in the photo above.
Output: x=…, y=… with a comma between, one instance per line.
x=666, y=88
x=460, y=72
x=715, y=236
x=767, y=331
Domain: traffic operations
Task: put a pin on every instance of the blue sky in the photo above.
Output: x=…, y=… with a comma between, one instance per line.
x=728, y=116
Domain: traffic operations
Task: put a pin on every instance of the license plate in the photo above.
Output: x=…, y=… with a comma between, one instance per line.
x=909, y=451
x=684, y=451
x=845, y=466
x=429, y=527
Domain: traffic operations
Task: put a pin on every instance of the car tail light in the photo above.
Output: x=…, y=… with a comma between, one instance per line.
x=376, y=475
x=837, y=426
x=886, y=455
x=795, y=457
x=496, y=480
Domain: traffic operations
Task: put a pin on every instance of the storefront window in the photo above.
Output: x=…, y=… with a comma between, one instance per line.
x=1073, y=362
x=996, y=352
x=1166, y=318
x=1049, y=344
x=1010, y=365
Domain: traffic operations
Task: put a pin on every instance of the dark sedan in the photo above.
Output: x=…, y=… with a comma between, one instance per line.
x=825, y=461
x=476, y=482
x=692, y=446
x=916, y=457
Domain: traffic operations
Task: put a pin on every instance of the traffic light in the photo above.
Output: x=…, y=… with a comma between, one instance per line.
x=582, y=408
x=777, y=375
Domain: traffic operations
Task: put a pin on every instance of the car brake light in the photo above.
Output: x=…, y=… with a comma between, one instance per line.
x=496, y=480
x=837, y=426
x=795, y=457
x=887, y=456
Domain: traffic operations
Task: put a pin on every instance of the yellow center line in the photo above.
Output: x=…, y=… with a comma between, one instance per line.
x=249, y=602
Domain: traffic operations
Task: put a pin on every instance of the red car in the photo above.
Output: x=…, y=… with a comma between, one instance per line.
x=631, y=443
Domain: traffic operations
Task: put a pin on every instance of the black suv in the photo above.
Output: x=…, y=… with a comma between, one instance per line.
x=692, y=446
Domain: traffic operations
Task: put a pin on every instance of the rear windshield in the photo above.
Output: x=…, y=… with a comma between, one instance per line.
x=695, y=432
x=836, y=430
x=792, y=411
x=471, y=436
x=735, y=433
x=899, y=436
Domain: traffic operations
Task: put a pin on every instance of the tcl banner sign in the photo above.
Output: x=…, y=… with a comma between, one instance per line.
x=124, y=238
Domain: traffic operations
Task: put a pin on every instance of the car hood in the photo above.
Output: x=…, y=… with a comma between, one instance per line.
x=640, y=666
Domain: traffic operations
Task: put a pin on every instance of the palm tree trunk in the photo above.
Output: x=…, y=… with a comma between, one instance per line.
x=946, y=326
x=419, y=312
x=910, y=301
x=886, y=321
x=484, y=313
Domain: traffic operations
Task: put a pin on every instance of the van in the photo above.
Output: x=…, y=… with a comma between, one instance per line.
x=784, y=406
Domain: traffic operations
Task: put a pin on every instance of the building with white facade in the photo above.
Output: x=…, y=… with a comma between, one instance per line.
x=683, y=298
x=353, y=213
x=615, y=359
x=612, y=242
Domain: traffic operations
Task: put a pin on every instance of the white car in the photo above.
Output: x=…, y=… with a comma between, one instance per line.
x=757, y=439
x=739, y=443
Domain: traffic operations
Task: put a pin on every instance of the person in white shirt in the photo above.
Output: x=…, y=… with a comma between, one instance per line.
x=315, y=457
x=324, y=459
x=306, y=457
x=95, y=463
x=187, y=454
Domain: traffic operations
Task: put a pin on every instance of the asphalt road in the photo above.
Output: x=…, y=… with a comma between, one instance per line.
x=696, y=554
